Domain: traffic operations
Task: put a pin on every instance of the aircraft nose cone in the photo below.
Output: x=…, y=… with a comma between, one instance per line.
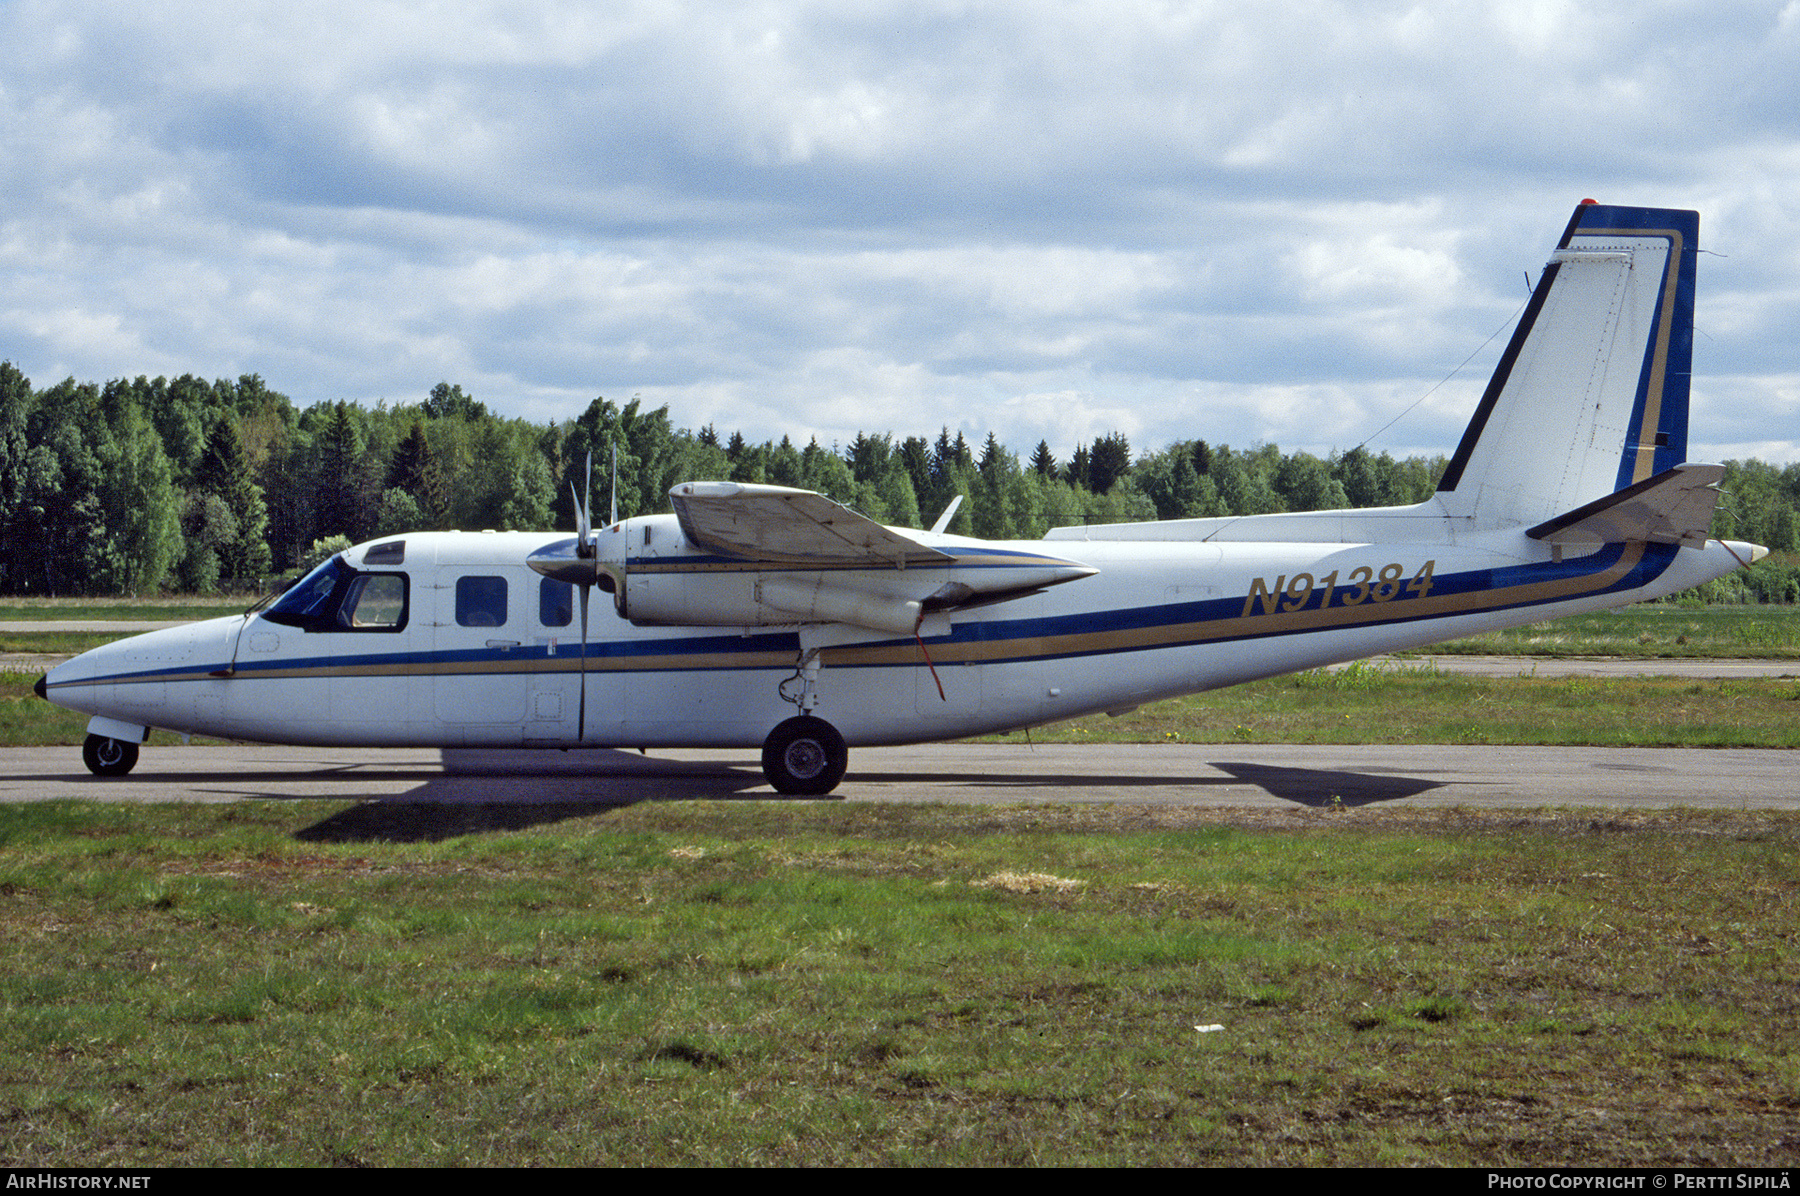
x=40, y=689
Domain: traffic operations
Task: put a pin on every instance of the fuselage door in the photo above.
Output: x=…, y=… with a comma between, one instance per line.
x=479, y=653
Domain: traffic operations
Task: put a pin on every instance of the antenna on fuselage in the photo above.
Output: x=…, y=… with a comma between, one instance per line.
x=943, y=521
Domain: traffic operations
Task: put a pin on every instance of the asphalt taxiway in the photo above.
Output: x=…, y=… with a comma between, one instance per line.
x=1247, y=775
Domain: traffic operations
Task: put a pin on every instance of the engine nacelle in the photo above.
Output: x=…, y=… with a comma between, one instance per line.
x=660, y=577
x=668, y=597
x=814, y=600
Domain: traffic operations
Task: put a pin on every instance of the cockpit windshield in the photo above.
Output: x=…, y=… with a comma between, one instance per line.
x=308, y=599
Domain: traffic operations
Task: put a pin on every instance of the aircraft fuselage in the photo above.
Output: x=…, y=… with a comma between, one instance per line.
x=477, y=649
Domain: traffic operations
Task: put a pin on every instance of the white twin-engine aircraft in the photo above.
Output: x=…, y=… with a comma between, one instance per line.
x=761, y=615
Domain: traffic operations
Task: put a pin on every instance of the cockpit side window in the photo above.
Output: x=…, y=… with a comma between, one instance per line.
x=375, y=602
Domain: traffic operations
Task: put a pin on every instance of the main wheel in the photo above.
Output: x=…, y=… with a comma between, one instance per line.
x=109, y=757
x=805, y=755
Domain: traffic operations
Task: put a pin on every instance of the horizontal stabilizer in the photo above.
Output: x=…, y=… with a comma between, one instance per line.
x=779, y=524
x=1674, y=507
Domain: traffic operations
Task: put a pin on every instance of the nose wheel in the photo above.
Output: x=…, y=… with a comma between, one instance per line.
x=805, y=755
x=108, y=757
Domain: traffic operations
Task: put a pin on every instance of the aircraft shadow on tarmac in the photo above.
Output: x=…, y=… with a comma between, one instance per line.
x=461, y=800
x=483, y=791
x=1317, y=787
x=1327, y=787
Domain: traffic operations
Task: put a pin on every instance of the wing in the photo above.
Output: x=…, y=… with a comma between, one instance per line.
x=1674, y=507
x=794, y=527
x=760, y=556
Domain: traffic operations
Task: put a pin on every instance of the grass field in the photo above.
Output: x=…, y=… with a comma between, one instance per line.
x=1401, y=703
x=807, y=983
x=69, y=643
x=752, y=983
x=1648, y=630
x=82, y=609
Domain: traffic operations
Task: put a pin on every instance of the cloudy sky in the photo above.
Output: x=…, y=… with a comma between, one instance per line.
x=1247, y=222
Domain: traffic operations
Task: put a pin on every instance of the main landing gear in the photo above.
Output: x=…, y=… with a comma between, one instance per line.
x=804, y=755
x=109, y=757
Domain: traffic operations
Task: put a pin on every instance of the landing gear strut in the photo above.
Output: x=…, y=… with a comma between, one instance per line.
x=109, y=757
x=805, y=755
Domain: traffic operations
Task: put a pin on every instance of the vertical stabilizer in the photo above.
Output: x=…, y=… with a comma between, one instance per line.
x=1591, y=395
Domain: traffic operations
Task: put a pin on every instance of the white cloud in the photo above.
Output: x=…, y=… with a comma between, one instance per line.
x=1278, y=222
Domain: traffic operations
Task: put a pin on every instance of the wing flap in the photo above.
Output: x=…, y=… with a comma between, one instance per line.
x=1673, y=507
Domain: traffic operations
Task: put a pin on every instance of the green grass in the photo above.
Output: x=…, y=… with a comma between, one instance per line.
x=70, y=643
x=84, y=609
x=1648, y=630
x=54, y=643
x=807, y=983
x=26, y=720
x=1417, y=703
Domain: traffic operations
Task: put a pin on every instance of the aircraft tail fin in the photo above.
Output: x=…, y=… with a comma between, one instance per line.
x=1591, y=396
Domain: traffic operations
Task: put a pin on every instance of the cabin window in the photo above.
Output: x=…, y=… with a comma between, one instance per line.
x=556, y=603
x=481, y=602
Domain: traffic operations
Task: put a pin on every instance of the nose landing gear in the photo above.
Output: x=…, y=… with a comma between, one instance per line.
x=109, y=757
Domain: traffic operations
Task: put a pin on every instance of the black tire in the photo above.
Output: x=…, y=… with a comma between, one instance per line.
x=109, y=757
x=805, y=755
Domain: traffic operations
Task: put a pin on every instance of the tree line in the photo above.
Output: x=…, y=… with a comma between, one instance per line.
x=141, y=485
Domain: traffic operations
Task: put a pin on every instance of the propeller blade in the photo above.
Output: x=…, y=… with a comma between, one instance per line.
x=580, y=515
x=584, y=521
x=615, y=485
